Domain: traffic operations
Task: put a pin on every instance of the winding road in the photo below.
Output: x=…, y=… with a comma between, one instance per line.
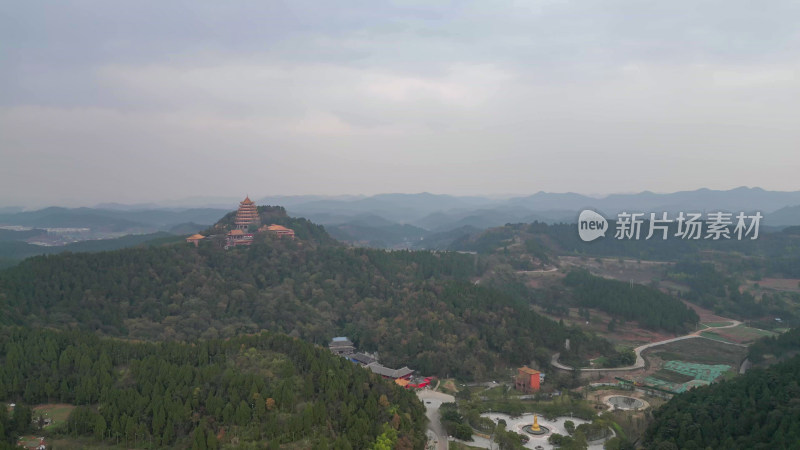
x=640, y=363
x=432, y=400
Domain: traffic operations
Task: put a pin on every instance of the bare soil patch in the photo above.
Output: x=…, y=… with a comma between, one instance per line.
x=638, y=271
x=779, y=284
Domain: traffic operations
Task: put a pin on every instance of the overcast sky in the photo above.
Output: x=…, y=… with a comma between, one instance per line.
x=134, y=101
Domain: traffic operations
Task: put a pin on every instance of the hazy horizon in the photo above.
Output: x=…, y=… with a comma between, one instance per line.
x=136, y=102
x=230, y=200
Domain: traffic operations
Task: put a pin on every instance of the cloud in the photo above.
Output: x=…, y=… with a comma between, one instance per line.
x=308, y=97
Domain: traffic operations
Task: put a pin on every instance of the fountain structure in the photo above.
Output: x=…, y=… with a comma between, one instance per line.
x=535, y=429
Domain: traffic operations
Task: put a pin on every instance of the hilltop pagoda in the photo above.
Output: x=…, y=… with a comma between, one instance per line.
x=247, y=214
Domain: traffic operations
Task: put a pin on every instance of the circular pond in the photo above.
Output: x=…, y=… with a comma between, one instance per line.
x=624, y=402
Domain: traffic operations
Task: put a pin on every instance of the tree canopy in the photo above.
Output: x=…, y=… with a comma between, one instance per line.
x=262, y=388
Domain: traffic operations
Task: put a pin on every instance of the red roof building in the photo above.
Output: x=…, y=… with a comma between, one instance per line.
x=527, y=380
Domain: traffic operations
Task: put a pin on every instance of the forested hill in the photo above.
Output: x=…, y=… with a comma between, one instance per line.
x=646, y=305
x=777, y=249
x=770, y=349
x=759, y=410
x=263, y=390
x=416, y=308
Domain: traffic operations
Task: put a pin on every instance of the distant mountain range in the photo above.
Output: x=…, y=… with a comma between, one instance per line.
x=113, y=220
x=440, y=214
x=109, y=228
x=407, y=220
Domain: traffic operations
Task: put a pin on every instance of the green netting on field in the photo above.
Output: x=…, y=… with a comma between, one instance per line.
x=659, y=383
x=702, y=372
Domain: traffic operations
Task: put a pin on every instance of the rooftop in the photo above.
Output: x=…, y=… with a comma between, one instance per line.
x=362, y=358
x=528, y=370
x=382, y=370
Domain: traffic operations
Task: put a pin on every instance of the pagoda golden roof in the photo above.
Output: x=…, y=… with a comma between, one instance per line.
x=196, y=236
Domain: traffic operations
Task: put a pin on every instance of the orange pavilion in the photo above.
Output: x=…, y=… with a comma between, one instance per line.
x=278, y=230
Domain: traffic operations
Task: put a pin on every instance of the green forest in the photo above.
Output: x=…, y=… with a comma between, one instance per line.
x=715, y=272
x=759, y=410
x=782, y=346
x=419, y=309
x=266, y=388
x=650, y=307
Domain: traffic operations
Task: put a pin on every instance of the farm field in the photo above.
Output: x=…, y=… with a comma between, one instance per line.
x=689, y=363
x=619, y=269
x=703, y=351
x=56, y=412
x=740, y=334
x=779, y=284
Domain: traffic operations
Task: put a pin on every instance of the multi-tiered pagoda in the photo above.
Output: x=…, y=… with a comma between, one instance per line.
x=246, y=215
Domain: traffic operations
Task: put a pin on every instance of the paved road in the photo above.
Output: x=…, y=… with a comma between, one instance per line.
x=432, y=401
x=638, y=350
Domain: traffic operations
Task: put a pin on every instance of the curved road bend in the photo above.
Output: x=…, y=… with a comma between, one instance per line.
x=638, y=350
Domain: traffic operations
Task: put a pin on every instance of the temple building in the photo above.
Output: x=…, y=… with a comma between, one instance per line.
x=246, y=215
x=341, y=346
x=278, y=230
x=527, y=380
x=195, y=239
x=238, y=237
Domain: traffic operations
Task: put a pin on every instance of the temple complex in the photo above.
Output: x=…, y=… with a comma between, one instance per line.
x=246, y=221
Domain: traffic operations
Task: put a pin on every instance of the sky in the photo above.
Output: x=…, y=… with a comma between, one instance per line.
x=139, y=101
